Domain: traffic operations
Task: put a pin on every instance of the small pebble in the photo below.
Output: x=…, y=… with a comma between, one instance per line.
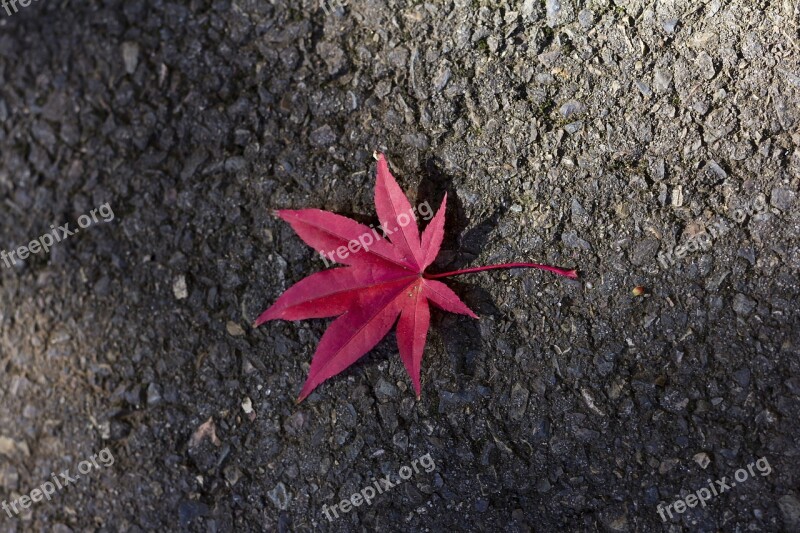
x=669, y=25
x=234, y=329
x=179, y=288
x=743, y=305
x=586, y=18
x=280, y=498
x=573, y=127
x=702, y=459
x=782, y=199
x=247, y=405
x=130, y=55
x=571, y=108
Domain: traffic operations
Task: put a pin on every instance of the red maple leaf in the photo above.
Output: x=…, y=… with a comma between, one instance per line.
x=384, y=280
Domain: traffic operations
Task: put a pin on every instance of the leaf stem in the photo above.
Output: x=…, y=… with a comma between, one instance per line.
x=572, y=274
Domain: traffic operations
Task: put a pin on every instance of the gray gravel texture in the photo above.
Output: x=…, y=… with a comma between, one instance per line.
x=594, y=134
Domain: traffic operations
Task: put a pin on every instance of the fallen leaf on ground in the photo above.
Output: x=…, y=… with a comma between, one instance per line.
x=384, y=282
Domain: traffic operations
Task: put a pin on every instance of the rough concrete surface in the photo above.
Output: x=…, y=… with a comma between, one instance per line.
x=652, y=144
